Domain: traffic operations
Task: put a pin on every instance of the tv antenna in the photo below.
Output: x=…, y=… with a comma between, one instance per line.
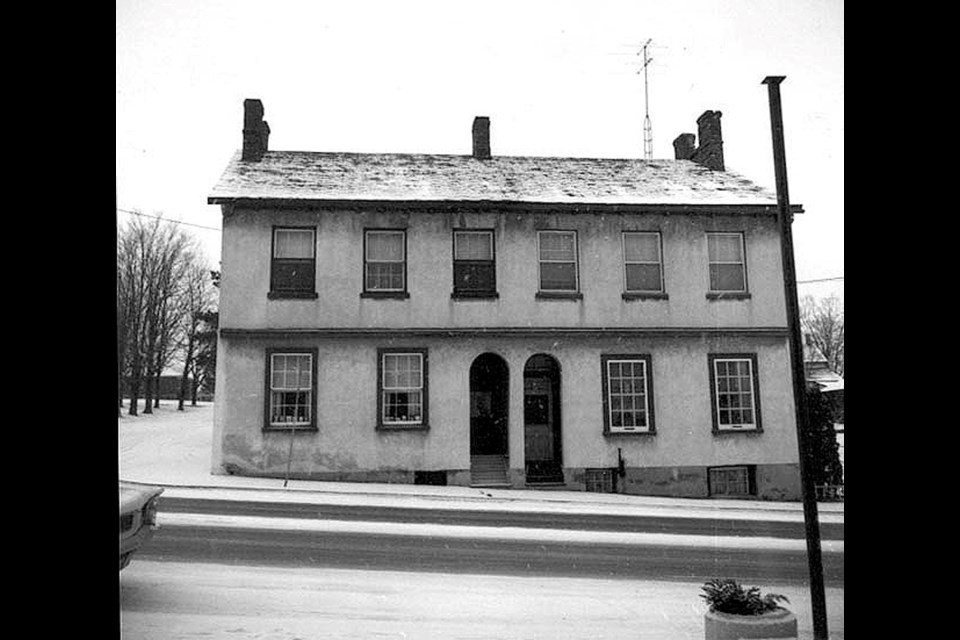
x=647, y=128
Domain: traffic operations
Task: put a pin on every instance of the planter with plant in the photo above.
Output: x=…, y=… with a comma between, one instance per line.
x=736, y=612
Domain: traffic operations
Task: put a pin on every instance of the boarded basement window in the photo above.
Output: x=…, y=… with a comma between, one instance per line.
x=438, y=478
x=733, y=481
x=599, y=480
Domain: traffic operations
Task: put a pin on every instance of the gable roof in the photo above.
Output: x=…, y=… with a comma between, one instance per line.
x=303, y=176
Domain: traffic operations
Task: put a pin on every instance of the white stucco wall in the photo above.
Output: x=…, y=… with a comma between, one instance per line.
x=246, y=272
x=347, y=439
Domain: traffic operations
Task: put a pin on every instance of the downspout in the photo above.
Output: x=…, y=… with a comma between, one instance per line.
x=810, y=516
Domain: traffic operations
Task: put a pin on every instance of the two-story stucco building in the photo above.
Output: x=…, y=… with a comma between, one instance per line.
x=601, y=324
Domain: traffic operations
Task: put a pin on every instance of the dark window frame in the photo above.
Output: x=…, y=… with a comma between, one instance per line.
x=385, y=293
x=268, y=391
x=575, y=293
x=490, y=292
x=424, y=423
x=276, y=293
x=647, y=359
x=717, y=294
x=755, y=385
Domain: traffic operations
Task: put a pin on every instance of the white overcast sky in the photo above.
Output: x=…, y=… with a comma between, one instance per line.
x=556, y=78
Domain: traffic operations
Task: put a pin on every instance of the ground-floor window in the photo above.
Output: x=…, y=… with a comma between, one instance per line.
x=402, y=396
x=732, y=481
x=291, y=388
x=735, y=392
x=627, y=393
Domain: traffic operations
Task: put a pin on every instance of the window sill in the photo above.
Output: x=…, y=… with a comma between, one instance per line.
x=491, y=295
x=727, y=432
x=653, y=295
x=728, y=295
x=390, y=428
x=385, y=295
x=292, y=295
x=279, y=429
x=616, y=434
x=559, y=295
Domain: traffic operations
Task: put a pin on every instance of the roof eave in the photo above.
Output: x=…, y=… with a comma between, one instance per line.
x=580, y=207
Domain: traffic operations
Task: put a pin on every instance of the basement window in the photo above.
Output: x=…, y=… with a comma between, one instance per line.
x=735, y=482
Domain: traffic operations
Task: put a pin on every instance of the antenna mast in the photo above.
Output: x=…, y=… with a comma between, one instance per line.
x=647, y=128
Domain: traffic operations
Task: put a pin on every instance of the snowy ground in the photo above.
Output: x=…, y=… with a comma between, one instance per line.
x=172, y=601
x=173, y=449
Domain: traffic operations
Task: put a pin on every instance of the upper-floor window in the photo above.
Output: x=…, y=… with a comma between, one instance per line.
x=293, y=265
x=291, y=388
x=403, y=387
x=558, y=261
x=728, y=272
x=642, y=262
x=735, y=393
x=627, y=394
x=385, y=261
x=474, y=269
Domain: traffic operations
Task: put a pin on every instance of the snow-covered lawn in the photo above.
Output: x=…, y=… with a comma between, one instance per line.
x=168, y=446
x=169, y=601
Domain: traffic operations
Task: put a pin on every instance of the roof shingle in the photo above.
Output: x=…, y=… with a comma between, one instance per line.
x=319, y=176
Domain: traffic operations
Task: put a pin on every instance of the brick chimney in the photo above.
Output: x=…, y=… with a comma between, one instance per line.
x=256, y=132
x=684, y=146
x=710, y=151
x=481, y=138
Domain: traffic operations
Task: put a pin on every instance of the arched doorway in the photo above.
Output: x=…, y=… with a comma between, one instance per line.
x=489, y=402
x=543, y=453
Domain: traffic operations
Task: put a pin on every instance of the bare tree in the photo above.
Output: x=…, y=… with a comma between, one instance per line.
x=822, y=320
x=152, y=257
x=134, y=250
x=205, y=360
x=199, y=299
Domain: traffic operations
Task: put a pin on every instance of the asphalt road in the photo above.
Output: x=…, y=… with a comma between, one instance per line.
x=491, y=518
x=377, y=551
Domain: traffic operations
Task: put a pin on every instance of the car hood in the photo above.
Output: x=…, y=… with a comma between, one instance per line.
x=134, y=496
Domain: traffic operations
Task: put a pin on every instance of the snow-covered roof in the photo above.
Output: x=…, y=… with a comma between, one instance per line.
x=385, y=177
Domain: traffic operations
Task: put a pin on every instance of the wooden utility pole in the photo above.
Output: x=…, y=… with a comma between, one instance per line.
x=810, y=516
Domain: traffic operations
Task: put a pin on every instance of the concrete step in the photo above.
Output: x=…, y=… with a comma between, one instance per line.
x=488, y=471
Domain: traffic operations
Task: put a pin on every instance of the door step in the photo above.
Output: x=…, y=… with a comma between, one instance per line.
x=488, y=471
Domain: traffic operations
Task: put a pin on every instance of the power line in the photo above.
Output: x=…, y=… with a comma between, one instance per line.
x=820, y=280
x=145, y=215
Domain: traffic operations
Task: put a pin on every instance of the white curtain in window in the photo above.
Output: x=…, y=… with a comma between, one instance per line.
x=293, y=243
x=558, y=247
x=385, y=246
x=473, y=246
x=641, y=247
x=725, y=247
